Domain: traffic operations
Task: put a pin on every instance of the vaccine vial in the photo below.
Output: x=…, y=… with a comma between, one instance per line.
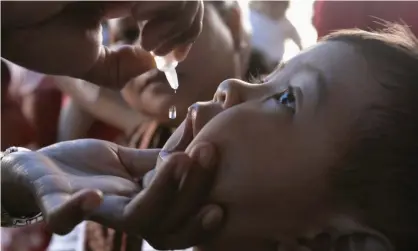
x=168, y=64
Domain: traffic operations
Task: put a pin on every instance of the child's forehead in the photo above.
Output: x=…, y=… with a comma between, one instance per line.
x=334, y=59
x=333, y=68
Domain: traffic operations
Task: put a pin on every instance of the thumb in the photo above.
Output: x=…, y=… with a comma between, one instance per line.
x=137, y=161
x=63, y=211
x=182, y=51
x=115, y=67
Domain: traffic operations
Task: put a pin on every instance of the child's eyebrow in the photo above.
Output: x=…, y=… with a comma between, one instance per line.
x=321, y=82
x=278, y=68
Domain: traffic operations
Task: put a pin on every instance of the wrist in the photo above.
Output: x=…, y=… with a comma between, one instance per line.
x=17, y=200
x=16, y=197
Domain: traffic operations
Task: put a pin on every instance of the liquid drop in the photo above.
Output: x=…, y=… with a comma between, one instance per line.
x=172, y=112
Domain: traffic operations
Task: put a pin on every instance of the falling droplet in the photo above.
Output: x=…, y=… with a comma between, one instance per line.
x=172, y=112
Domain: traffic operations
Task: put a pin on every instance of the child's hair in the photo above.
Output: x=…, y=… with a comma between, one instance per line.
x=378, y=180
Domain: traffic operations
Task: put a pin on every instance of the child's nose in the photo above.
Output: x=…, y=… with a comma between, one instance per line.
x=233, y=91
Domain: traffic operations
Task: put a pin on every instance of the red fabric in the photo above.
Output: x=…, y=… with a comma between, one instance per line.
x=46, y=102
x=100, y=130
x=30, y=238
x=16, y=130
x=334, y=15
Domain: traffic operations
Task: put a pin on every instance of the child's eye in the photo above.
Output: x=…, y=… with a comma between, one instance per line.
x=287, y=98
x=257, y=79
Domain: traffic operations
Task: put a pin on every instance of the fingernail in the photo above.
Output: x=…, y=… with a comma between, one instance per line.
x=90, y=204
x=163, y=154
x=181, y=52
x=212, y=219
x=205, y=156
x=148, y=178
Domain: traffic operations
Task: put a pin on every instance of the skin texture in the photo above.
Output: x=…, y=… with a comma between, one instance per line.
x=211, y=60
x=70, y=33
x=62, y=181
x=273, y=195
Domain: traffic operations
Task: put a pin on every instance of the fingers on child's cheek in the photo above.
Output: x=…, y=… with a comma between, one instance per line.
x=195, y=185
x=205, y=154
x=197, y=229
x=154, y=201
x=181, y=161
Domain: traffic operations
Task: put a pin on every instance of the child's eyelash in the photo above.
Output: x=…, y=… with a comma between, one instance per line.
x=257, y=79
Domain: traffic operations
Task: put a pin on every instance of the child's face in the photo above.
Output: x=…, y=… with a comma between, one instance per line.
x=210, y=61
x=274, y=155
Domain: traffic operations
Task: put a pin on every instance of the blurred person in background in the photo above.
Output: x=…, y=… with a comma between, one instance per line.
x=36, y=101
x=18, y=128
x=329, y=16
x=270, y=30
x=92, y=112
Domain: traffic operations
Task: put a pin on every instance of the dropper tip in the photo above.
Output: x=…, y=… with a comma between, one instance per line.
x=172, y=79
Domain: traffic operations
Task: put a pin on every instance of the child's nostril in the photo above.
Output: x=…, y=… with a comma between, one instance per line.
x=220, y=97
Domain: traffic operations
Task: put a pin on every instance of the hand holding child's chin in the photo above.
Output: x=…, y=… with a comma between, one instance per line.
x=196, y=170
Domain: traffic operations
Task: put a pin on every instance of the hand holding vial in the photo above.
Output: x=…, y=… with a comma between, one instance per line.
x=60, y=46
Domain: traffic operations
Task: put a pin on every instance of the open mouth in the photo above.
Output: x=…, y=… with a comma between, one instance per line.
x=187, y=136
x=198, y=116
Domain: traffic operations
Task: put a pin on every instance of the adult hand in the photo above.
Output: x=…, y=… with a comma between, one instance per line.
x=64, y=38
x=64, y=180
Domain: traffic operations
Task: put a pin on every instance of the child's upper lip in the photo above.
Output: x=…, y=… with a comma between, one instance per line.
x=198, y=115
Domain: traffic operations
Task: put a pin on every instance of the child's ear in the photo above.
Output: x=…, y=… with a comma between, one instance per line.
x=330, y=241
x=360, y=242
x=342, y=233
x=347, y=233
